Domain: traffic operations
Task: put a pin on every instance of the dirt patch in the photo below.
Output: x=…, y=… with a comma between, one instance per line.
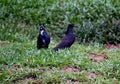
x=96, y=57
x=26, y=78
x=4, y=42
x=70, y=69
x=118, y=45
x=31, y=75
x=41, y=69
x=92, y=75
x=109, y=46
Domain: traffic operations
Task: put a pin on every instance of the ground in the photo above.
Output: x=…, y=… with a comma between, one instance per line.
x=82, y=63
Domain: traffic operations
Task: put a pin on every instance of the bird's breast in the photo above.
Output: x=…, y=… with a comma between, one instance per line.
x=41, y=32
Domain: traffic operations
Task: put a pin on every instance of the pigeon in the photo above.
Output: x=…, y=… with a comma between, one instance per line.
x=43, y=38
x=67, y=40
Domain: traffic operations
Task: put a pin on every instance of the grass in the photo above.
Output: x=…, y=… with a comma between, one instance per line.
x=19, y=60
x=22, y=63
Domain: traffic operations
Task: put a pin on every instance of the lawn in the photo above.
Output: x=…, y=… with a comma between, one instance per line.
x=88, y=61
x=23, y=63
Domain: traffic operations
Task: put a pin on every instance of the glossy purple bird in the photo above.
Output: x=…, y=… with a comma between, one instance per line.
x=67, y=40
x=43, y=39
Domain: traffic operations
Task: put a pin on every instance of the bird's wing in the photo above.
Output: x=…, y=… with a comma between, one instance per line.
x=67, y=40
x=46, y=38
x=45, y=35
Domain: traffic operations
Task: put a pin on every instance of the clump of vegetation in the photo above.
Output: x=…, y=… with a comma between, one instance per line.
x=95, y=19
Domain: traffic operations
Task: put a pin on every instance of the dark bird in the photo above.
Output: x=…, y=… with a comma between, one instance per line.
x=43, y=38
x=67, y=40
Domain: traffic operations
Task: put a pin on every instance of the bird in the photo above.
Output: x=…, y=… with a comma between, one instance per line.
x=67, y=40
x=43, y=39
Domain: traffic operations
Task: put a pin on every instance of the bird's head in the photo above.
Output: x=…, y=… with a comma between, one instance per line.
x=42, y=30
x=71, y=25
x=70, y=28
x=41, y=27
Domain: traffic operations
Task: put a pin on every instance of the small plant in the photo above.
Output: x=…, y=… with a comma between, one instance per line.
x=93, y=18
